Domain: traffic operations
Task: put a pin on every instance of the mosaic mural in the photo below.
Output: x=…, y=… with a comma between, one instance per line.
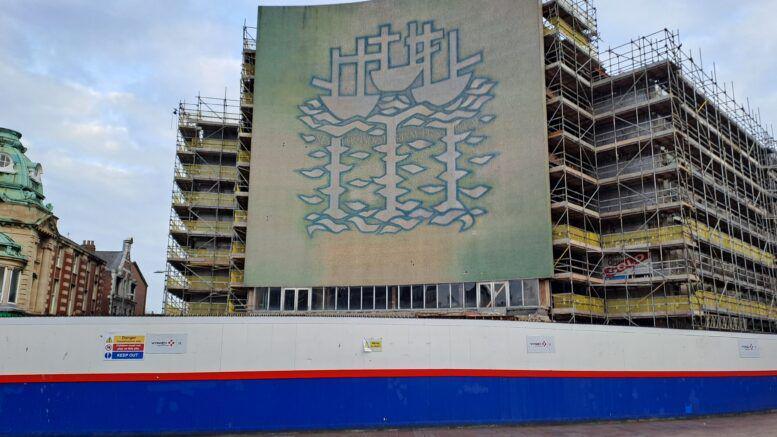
x=413, y=102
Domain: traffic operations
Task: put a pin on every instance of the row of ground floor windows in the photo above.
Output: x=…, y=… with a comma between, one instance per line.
x=499, y=294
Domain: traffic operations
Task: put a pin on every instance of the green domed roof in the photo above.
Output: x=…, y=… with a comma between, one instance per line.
x=20, y=178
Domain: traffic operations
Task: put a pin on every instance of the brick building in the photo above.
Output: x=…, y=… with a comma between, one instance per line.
x=123, y=282
x=41, y=271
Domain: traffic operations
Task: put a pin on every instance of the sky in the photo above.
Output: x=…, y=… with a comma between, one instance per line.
x=92, y=85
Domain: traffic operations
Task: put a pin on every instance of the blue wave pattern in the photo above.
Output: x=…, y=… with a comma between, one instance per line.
x=393, y=146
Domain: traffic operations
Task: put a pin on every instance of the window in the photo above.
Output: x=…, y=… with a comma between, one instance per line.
x=470, y=295
x=288, y=299
x=368, y=298
x=500, y=294
x=302, y=299
x=261, y=299
x=418, y=296
x=516, y=293
x=14, y=285
x=317, y=299
x=2, y=283
x=275, y=299
x=35, y=173
x=6, y=163
x=355, y=301
x=444, y=296
x=430, y=298
x=392, y=293
x=54, y=298
x=85, y=297
x=531, y=292
x=457, y=295
x=484, y=295
x=404, y=297
x=342, y=298
x=329, y=298
x=380, y=297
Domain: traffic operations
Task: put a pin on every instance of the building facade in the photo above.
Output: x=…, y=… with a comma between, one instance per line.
x=141, y=290
x=124, y=284
x=42, y=271
x=375, y=165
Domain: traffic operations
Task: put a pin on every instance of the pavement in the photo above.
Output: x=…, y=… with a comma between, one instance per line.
x=762, y=424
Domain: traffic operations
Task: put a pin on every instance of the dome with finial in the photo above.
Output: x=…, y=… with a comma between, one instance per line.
x=20, y=178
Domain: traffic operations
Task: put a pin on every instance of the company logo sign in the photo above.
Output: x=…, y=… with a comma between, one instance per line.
x=166, y=344
x=749, y=349
x=395, y=137
x=543, y=344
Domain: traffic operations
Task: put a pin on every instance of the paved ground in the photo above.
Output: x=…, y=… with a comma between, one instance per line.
x=743, y=425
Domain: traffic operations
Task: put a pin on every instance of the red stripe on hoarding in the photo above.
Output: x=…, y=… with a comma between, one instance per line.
x=372, y=373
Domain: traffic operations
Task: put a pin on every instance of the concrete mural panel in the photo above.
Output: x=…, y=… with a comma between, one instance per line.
x=399, y=141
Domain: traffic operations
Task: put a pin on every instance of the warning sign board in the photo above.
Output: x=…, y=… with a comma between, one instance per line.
x=373, y=345
x=124, y=347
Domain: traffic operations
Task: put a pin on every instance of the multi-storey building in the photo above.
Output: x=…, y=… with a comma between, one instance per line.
x=661, y=195
x=663, y=199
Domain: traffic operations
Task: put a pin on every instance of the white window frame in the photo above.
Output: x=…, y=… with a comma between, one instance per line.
x=2, y=282
x=18, y=273
x=295, y=292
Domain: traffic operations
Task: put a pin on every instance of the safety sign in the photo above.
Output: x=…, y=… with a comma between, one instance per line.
x=124, y=347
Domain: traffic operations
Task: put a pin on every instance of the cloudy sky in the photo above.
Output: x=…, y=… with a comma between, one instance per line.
x=91, y=85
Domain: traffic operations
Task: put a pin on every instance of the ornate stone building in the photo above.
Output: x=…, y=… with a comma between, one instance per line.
x=41, y=271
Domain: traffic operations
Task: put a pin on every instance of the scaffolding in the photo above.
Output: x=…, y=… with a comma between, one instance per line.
x=662, y=185
x=208, y=218
x=571, y=64
x=203, y=205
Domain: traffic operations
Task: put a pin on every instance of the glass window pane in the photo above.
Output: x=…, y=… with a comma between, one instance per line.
x=531, y=292
x=317, y=299
x=430, y=301
x=404, y=297
x=500, y=294
x=418, y=296
x=302, y=300
x=355, y=302
x=470, y=295
x=380, y=297
x=457, y=295
x=261, y=298
x=14, y=285
x=443, y=295
x=288, y=300
x=342, y=298
x=329, y=298
x=275, y=299
x=2, y=283
x=485, y=296
x=368, y=298
x=516, y=293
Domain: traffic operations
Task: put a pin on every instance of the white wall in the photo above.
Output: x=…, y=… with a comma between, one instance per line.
x=76, y=345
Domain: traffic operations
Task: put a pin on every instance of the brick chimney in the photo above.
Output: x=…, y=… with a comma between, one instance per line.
x=89, y=245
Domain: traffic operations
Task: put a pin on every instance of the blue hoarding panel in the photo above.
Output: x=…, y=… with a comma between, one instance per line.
x=299, y=404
